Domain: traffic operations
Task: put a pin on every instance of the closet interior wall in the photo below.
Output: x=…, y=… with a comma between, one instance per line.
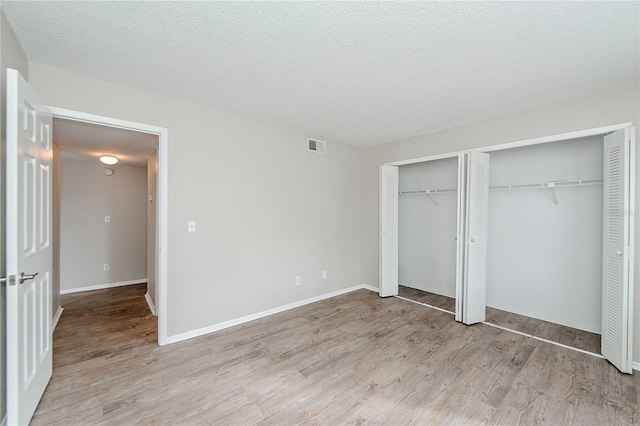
x=427, y=226
x=545, y=245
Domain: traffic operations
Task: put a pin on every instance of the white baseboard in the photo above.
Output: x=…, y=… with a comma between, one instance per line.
x=562, y=321
x=636, y=366
x=152, y=305
x=371, y=288
x=247, y=318
x=103, y=286
x=56, y=318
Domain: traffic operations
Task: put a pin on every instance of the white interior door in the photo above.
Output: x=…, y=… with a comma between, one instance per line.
x=617, y=247
x=29, y=253
x=388, y=231
x=475, y=254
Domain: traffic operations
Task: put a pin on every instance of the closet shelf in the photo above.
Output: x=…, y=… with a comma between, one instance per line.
x=551, y=185
x=427, y=192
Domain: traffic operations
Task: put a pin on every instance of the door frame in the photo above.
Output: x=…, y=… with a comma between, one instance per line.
x=162, y=195
x=596, y=131
x=460, y=157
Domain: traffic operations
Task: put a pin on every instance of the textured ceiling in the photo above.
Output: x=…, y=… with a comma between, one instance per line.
x=89, y=141
x=359, y=72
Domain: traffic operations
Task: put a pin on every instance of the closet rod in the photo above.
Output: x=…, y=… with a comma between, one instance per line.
x=550, y=184
x=427, y=191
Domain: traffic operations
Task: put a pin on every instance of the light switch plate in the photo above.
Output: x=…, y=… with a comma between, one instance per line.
x=191, y=226
x=107, y=219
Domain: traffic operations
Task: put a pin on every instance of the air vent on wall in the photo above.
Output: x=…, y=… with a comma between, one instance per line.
x=316, y=146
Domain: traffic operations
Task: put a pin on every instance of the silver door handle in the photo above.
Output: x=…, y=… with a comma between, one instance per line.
x=473, y=240
x=22, y=278
x=619, y=252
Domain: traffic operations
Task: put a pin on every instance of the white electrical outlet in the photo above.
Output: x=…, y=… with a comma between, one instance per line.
x=191, y=226
x=324, y=275
x=107, y=219
x=107, y=266
x=298, y=280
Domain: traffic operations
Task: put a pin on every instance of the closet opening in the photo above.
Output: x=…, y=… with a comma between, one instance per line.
x=427, y=232
x=544, y=260
x=544, y=242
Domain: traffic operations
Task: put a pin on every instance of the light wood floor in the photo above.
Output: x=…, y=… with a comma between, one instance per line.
x=352, y=359
x=443, y=302
x=547, y=330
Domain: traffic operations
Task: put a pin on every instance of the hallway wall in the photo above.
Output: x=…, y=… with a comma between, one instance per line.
x=87, y=242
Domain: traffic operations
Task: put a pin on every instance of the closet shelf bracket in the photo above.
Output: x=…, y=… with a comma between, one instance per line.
x=432, y=199
x=552, y=186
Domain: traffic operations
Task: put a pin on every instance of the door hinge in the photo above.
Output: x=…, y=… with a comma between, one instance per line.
x=11, y=279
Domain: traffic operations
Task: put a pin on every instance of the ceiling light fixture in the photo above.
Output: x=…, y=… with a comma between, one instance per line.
x=109, y=159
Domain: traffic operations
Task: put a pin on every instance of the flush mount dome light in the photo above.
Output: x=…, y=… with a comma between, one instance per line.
x=109, y=159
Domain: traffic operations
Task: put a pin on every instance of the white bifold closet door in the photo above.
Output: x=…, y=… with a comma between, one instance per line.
x=475, y=223
x=472, y=233
x=461, y=212
x=617, y=280
x=388, y=231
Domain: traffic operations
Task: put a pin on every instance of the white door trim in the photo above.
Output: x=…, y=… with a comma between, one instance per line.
x=162, y=224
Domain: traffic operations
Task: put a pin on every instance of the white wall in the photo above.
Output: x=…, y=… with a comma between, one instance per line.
x=253, y=189
x=545, y=260
x=614, y=106
x=427, y=245
x=86, y=241
x=11, y=56
x=152, y=214
x=266, y=209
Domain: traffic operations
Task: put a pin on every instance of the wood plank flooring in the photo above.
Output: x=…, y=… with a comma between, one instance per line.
x=547, y=330
x=352, y=359
x=443, y=302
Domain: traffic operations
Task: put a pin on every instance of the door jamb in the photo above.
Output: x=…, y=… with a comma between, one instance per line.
x=162, y=220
